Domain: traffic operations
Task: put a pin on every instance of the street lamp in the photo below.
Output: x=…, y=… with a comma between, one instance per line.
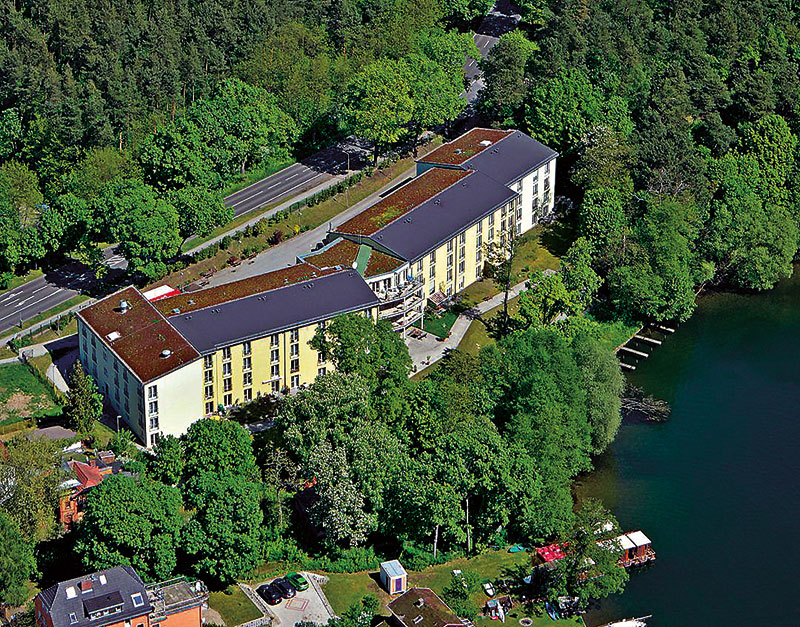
x=118, y=417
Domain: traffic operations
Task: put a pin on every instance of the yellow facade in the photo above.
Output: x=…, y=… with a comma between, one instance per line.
x=241, y=372
x=459, y=262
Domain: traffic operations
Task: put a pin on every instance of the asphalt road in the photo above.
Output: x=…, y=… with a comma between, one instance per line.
x=503, y=18
x=50, y=290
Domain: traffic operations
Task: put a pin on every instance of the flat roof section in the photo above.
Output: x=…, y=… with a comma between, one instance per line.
x=343, y=253
x=511, y=158
x=421, y=607
x=440, y=219
x=466, y=146
x=212, y=296
x=401, y=201
x=285, y=308
x=139, y=335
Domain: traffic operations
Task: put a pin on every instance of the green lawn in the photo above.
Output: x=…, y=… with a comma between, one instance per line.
x=234, y=606
x=22, y=395
x=16, y=281
x=477, y=335
x=440, y=326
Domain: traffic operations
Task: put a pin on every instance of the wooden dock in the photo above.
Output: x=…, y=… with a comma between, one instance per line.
x=634, y=351
x=644, y=338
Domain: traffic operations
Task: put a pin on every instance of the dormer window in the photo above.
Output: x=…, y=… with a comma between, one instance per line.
x=102, y=578
x=418, y=619
x=137, y=599
x=71, y=594
x=72, y=618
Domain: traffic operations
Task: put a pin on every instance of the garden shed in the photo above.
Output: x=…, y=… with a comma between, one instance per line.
x=394, y=577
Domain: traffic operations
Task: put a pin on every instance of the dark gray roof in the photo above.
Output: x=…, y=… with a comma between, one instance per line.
x=511, y=158
x=121, y=582
x=276, y=310
x=439, y=219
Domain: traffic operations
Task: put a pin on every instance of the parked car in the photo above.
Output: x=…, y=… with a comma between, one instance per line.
x=488, y=588
x=287, y=589
x=270, y=593
x=298, y=581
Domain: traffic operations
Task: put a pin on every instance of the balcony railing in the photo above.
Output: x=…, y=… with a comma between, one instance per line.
x=396, y=293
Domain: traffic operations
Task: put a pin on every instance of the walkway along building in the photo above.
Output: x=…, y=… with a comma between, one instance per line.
x=163, y=360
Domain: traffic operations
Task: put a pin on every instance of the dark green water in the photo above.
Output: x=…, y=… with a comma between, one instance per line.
x=715, y=487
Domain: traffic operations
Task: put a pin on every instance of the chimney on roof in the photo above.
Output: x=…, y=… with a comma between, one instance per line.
x=85, y=585
x=166, y=353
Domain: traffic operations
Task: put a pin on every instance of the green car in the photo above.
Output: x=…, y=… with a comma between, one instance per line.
x=297, y=580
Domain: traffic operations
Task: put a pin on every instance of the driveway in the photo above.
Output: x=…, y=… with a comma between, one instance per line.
x=308, y=605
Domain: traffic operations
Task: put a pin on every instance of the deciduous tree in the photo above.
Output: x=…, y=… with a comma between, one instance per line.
x=84, y=401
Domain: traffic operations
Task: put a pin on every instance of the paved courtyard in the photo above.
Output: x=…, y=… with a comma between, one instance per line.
x=309, y=605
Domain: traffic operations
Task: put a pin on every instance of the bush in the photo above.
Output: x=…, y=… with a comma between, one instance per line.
x=416, y=558
x=276, y=237
x=347, y=561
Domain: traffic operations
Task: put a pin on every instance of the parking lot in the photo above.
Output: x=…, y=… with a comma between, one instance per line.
x=308, y=605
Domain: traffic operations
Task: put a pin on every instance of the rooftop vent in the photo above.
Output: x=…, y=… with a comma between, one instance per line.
x=486, y=142
x=419, y=602
x=458, y=151
x=124, y=306
x=176, y=310
x=191, y=301
x=437, y=201
x=355, y=265
x=417, y=620
x=114, y=335
x=166, y=353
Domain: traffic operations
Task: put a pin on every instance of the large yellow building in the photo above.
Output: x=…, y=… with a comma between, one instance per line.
x=162, y=364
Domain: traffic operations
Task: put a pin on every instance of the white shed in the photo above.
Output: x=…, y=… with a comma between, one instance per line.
x=394, y=577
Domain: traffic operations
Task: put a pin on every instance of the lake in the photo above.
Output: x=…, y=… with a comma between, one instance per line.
x=716, y=486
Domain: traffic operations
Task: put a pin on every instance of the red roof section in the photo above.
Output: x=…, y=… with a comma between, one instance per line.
x=87, y=475
x=140, y=334
x=212, y=296
x=344, y=252
x=398, y=203
x=466, y=146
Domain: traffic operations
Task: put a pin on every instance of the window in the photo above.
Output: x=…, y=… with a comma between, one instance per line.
x=294, y=350
x=321, y=371
x=432, y=258
x=491, y=234
x=295, y=365
x=450, y=261
x=431, y=288
x=273, y=340
x=478, y=256
x=154, y=438
x=276, y=387
x=461, y=266
x=461, y=283
x=152, y=392
x=246, y=348
x=208, y=361
x=125, y=375
x=478, y=272
x=248, y=394
x=320, y=358
x=125, y=390
x=153, y=422
x=116, y=366
x=275, y=370
x=152, y=407
x=83, y=331
x=209, y=408
x=227, y=385
x=226, y=352
x=294, y=335
x=491, y=220
x=274, y=354
x=322, y=325
x=72, y=618
x=209, y=391
x=208, y=377
x=419, y=267
x=296, y=381
x=547, y=168
x=479, y=229
x=247, y=363
x=247, y=378
x=432, y=272
x=462, y=238
x=71, y=594
x=449, y=274
x=227, y=400
x=450, y=246
x=226, y=369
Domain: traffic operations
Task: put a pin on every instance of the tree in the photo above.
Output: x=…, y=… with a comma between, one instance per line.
x=17, y=563
x=603, y=383
x=132, y=522
x=84, y=401
x=223, y=539
x=589, y=569
x=577, y=273
x=377, y=103
x=30, y=477
x=19, y=186
x=435, y=93
x=218, y=446
x=146, y=226
x=200, y=211
x=504, y=72
x=167, y=464
x=500, y=256
x=340, y=510
x=458, y=594
x=605, y=160
x=546, y=300
x=121, y=443
x=358, y=345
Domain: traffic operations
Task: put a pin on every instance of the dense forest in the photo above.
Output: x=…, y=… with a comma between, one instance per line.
x=159, y=105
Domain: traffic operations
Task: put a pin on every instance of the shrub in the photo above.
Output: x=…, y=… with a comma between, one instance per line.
x=276, y=237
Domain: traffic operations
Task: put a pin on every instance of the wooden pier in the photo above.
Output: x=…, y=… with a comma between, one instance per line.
x=627, y=366
x=644, y=338
x=634, y=351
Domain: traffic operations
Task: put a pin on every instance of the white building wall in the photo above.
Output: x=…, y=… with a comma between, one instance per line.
x=180, y=401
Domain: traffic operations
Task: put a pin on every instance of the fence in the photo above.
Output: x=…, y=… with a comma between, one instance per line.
x=267, y=617
x=53, y=322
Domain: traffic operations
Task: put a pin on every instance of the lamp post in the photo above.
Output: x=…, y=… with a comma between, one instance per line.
x=118, y=417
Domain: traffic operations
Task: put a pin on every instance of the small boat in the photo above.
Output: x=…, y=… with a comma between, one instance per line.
x=628, y=622
x=551, y=611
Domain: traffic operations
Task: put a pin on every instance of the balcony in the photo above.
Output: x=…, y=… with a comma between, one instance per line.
x=398, y=293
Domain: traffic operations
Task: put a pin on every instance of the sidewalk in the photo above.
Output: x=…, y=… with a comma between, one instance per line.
x=430, y=349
